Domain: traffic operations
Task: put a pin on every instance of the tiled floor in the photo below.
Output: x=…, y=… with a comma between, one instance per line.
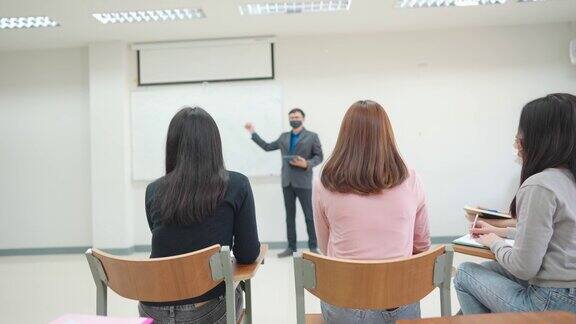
x=37, y=289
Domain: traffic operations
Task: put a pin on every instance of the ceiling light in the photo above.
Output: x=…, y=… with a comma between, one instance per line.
x=294, y=7
x=27, y=22
x=445, y=3
x=149, y=15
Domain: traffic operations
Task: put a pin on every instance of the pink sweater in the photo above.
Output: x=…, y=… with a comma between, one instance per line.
x=391, y=224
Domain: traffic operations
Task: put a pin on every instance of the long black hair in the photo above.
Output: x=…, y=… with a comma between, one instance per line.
x=196, y=179
x=547, y=136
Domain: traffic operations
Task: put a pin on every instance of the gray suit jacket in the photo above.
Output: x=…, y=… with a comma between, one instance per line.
x=308, y=147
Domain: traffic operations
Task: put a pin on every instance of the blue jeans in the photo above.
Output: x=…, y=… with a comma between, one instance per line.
x=489, y=288
x=338, y=315
x=213, y=312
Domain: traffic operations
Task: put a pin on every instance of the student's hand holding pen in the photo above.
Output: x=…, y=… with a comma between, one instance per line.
x=483, y=228
x=488, y=239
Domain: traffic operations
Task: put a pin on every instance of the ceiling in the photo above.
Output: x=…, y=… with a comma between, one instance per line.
x=79, y=28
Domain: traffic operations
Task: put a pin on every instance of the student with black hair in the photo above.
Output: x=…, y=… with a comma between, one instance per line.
x=198, y=203
x=301, y=151
x=538, y=273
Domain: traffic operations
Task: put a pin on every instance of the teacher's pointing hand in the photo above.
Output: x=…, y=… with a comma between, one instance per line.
x=249, y=127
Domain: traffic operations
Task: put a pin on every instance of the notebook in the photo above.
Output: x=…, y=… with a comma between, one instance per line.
x=486, y=213
x=469, y=241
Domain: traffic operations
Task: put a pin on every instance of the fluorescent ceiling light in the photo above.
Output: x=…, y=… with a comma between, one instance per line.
x=27, y=22
x=445, y=3
x=149, y=15
x=294, y=7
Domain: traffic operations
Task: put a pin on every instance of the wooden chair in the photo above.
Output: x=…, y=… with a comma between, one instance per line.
x=372, y=284
x=164, y=279
x=556, y=317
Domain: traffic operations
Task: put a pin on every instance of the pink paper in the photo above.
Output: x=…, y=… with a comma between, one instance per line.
x=91, y=319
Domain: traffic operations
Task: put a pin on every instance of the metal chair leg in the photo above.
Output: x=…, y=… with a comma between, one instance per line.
x=101, y=299
x=100, y=280
x=445, y=300
x=248, y=301
x=229, y=280
x=299, y=284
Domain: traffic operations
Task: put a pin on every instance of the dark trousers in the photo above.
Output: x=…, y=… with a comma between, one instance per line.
x=305, y=198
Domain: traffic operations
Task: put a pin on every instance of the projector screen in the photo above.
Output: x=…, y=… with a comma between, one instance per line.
x=206, y=62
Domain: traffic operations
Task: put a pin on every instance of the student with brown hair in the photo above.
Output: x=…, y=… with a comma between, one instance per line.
x=368, y=205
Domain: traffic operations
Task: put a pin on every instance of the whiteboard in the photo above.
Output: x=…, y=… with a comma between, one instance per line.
x=230, y=106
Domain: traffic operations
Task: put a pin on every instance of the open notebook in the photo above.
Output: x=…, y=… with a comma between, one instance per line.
x=486, y=213
x=469, y=241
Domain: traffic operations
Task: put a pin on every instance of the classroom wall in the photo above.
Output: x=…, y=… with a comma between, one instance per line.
x=453, y=96
x=45, y=153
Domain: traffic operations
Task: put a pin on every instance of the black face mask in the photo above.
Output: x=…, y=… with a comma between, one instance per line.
x=295, y=123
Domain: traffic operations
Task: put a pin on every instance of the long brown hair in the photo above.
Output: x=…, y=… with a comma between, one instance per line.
x=365, y=160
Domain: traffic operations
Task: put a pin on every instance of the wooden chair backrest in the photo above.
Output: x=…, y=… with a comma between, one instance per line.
x=374, y=284
x=160, y=279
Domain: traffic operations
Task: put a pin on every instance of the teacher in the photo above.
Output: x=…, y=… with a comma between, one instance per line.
x=301, y=151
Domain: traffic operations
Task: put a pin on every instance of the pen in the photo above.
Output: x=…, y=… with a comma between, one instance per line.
x=474, y=224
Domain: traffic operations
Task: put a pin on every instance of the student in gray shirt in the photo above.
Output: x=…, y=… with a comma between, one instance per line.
x=538, y=273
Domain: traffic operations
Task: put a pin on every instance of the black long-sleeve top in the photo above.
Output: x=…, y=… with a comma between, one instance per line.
x=233, y=224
